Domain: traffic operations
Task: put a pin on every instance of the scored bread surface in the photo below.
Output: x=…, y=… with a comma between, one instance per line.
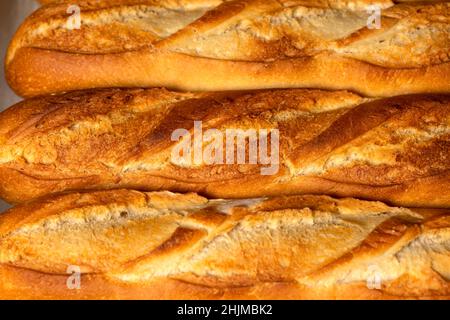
x=336, y=143
x=233, y=45
x=133, y=240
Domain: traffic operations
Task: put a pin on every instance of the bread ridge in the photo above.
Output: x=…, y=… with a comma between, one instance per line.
x=276, y=247
x=149, y=43
x=330, y=142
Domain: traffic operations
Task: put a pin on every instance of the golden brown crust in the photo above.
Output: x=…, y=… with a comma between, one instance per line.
x=297, y=247
x=21, y=284
x=234, y=45
x=337, y=143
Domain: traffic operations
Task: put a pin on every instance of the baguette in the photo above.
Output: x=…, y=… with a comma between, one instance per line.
x=395, y=150
x=132, y=245
x=212, y=45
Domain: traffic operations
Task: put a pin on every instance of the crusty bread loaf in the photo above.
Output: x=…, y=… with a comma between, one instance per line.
x=234, y=45
x=129, y=244
x=330, y=142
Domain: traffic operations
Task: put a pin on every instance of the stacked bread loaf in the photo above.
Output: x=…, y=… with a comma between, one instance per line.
x=241, y=149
